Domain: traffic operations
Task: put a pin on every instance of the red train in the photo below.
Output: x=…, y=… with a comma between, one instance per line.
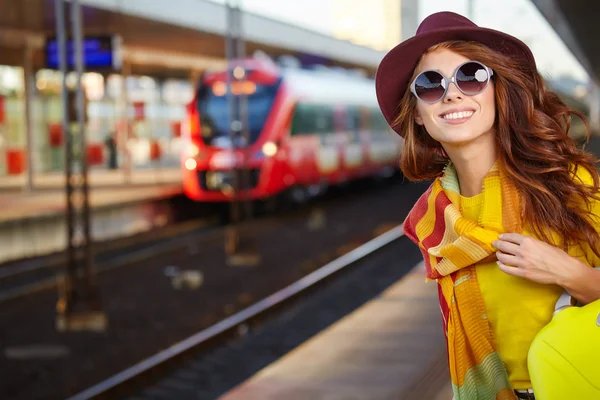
x=307, y=129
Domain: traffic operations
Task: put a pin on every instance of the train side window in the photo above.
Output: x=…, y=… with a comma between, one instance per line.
x=312, y=118
x=353, y=122
x=324, y=119
x=365, y=123
x=352, y=119
x=303, y=121
x=377, y=121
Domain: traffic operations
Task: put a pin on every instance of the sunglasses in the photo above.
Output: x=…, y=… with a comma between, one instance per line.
x=471, y=78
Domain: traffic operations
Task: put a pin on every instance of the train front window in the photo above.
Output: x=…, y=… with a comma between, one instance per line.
x=213, y=109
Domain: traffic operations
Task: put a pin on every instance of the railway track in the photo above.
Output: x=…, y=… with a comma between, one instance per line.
x=142, y=298
x=215, y=359
x=26, y=277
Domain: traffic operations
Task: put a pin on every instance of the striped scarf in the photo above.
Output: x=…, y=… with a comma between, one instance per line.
x=452, y=245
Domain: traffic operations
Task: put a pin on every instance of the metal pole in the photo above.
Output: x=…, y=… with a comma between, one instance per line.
x=125, y=136
x=233, y=122
x=243, y=98
x=79, y=306
x=240, y=250
x=127, y=164
x=67, y=299
x=471, y=9
x=87, y=246
x=29, y=85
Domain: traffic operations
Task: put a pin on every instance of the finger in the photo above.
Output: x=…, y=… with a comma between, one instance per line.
x=511, y=270
x=516, y=238
x=506, y=247
x=508, y=259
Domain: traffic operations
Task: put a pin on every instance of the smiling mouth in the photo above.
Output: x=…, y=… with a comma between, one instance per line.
x=457, y=115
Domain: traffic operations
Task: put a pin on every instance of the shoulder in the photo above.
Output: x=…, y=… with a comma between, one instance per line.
x=591, y=207
x=584, y=175
x=591, y=202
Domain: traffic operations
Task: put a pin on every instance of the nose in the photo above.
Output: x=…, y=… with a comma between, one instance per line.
x=453, y=94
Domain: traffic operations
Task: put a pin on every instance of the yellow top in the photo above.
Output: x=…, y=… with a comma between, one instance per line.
x=517, y=308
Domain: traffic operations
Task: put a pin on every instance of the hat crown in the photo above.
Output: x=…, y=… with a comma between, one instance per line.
x=444, y=20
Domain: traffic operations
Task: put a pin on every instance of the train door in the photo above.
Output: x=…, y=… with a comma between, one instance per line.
x=328, y=153
x=341, y=139
x=366, y=135
x=383, y=150
x=304, y=143
x=354, y=158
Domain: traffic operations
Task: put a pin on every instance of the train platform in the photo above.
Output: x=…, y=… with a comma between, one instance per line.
x=390, y=348
x=96, y=177
x=106, y=188
x=120, y=206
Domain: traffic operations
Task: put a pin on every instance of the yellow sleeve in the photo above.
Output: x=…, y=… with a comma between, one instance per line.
x=585, y=177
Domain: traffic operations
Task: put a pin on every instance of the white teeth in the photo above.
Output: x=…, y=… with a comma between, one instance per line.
x=458, y=115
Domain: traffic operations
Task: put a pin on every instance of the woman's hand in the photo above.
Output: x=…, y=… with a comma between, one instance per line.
x=536, y=260
x=540, y=262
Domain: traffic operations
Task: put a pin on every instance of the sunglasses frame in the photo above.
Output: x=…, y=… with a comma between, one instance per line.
x=446, y=81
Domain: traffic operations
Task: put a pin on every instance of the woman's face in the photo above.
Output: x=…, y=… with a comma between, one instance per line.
x=478, y=111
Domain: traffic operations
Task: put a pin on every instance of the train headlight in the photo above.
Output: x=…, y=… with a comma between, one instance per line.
x=269, y=149
x=190, y=164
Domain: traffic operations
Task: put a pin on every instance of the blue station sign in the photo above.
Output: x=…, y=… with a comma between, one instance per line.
x=99, y=53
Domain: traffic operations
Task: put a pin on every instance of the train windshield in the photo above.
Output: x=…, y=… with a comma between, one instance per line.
x=214, y=112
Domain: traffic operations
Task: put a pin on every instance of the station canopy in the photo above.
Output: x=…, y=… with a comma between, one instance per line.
x=576, y=22
x=174, y=36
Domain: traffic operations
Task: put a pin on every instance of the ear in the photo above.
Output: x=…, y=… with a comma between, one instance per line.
x=418, y=118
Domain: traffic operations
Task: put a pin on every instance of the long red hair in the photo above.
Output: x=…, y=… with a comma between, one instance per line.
x=535, y=150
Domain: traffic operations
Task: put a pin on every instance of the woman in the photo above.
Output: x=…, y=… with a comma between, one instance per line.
x=511, y=219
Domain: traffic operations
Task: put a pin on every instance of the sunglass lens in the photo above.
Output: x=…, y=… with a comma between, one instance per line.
x=428, y=86
x=472, y=78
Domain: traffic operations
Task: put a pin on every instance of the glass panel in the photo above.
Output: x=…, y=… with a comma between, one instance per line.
x=377, y=121
x=353, y=123
x=213, y=109
x=303, y=121
x=352, y=119
x=324, y=119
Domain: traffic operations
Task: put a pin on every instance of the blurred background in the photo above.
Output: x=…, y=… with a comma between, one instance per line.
x=160, y=74
x=194, y=190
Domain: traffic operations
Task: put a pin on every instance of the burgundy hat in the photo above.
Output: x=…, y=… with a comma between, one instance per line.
x=396, y=68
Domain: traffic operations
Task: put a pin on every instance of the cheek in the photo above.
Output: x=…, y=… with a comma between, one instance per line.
x=423, y=113
x=419, y=113
x=490, y=97
x=488, y=105
x=428, y=121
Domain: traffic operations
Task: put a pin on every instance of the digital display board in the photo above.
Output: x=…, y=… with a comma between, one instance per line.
x=99, y=52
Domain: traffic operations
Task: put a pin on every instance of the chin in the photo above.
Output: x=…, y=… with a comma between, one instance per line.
x=458, y=137
x=457, y=143
x=463, y=139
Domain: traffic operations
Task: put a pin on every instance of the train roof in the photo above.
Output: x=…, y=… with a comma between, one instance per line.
x=319, y=84
x=339, y=87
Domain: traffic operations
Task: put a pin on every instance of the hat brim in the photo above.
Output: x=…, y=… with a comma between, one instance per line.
x=396, y=68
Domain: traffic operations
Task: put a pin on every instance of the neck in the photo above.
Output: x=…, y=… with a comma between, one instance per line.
x=472, y=161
